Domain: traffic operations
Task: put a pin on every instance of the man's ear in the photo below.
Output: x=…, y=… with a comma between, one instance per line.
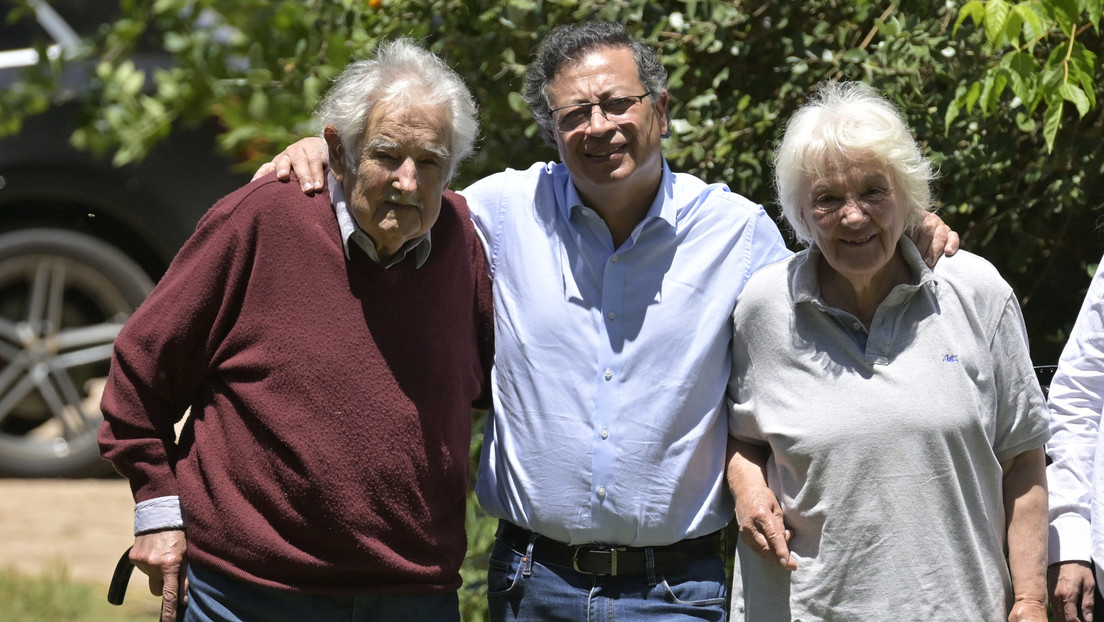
x=662, y=100
x=336, y=151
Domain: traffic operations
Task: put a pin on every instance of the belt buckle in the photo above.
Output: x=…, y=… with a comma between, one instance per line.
x=596, y=549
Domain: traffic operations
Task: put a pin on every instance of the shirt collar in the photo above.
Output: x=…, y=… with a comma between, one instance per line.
x=663, y=207
x=804, y=286
x=351, y=231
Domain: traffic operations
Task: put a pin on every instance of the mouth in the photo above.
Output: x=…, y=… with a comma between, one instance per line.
x=400, y=204
x=858, y=241
x=606, y=152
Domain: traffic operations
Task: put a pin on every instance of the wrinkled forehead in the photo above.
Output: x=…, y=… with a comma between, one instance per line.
x=410, y=124
x=822, y=161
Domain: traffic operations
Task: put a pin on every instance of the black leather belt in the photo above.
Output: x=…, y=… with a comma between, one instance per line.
x=613, y=561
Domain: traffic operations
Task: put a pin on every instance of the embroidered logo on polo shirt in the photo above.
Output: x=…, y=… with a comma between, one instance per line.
x=950, y=358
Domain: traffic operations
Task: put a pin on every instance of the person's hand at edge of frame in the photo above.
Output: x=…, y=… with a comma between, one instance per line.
x=1071, y=586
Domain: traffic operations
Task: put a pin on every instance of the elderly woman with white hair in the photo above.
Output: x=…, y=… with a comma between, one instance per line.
x=887, y=428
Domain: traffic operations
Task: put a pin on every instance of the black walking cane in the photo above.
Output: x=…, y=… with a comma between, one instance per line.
x=120, y=578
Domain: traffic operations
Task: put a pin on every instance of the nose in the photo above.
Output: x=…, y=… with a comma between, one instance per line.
x=405, y=176
x=601, y=124
x=852, y=213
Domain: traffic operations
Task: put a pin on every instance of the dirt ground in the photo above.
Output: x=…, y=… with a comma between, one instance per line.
x=80, y=525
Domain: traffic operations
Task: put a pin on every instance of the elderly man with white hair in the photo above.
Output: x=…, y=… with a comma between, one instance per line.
x=330, y=349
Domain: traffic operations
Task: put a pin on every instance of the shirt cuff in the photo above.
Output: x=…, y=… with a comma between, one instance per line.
x=1070, y=539
x=158, y=515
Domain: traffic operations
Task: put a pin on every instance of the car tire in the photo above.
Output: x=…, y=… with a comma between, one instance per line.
x=64, y=296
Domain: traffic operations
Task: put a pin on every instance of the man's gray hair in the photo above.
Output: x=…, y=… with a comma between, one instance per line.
x=401, y=72
x=849, y=123
x=566, y=44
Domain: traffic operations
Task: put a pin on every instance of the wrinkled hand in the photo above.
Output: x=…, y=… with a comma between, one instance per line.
x=307, y=158
x=762, y=527
x=1071, y=586
x=1028, y=611
x=163, y=557
x=933, y=238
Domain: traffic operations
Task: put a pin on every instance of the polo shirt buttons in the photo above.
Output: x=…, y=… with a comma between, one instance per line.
x=605, y=433
x=611, y=315
x=601, y=492
x=608, y=375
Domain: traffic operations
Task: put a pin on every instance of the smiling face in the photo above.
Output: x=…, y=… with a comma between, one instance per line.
x=610, y=162
x=856, y=219
x=394, y=192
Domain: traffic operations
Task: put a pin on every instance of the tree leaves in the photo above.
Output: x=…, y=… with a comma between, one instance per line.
x=1068, y=68
x=1002, y=93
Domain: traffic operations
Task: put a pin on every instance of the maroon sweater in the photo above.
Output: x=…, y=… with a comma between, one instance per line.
x=330, y=398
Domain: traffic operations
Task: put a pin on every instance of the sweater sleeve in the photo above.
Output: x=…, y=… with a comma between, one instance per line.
x=165, y=351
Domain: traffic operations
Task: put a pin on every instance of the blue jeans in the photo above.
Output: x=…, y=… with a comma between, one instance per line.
x=530, y=591
x=215, y=597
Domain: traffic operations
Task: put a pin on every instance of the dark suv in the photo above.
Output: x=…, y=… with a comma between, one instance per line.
x=81, y=244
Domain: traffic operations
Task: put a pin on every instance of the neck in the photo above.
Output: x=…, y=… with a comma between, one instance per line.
x=622, y=209
x=860, y=295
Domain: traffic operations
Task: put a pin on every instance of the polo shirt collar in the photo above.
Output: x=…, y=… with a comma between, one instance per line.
x=804, y=286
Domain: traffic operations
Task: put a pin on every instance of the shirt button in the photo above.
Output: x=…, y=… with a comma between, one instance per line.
x=611, y=315
x=614, y=259
x=608, y=375
x=605, y=433
x=856, y=326
x=601, y=492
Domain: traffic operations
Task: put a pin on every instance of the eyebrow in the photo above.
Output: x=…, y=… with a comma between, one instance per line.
x=382, y=144
x=873, y=178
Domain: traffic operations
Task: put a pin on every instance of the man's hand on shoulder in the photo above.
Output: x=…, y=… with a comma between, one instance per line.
x=307, y=158
x=933, y=238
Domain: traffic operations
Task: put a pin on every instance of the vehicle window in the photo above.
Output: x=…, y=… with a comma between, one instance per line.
x=83, y=16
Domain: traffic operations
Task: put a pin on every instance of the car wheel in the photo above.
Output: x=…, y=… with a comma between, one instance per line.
x=64, y=296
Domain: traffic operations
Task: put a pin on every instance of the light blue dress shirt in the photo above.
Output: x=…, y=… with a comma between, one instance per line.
x=608, y=423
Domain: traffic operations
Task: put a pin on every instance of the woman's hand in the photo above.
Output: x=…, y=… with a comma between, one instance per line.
x=1028, y=611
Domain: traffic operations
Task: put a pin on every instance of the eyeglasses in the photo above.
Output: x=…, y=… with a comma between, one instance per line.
x=576, y=115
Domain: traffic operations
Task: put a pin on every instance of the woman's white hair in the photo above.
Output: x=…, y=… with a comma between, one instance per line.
x=401, y=72
x=849, y=123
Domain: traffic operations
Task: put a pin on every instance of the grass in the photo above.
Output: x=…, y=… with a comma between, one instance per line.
x=55, y=597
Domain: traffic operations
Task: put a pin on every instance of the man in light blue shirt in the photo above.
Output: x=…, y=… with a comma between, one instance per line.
x=614, y=283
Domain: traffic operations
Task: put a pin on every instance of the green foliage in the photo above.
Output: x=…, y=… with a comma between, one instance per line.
x=1065, y=75
x=481, y=531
